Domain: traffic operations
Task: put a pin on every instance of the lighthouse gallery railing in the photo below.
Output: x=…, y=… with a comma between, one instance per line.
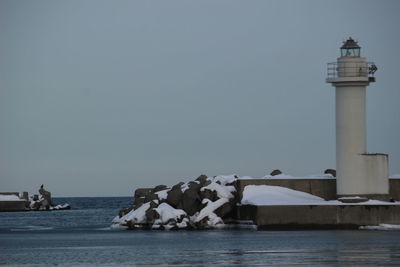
x=351, y=70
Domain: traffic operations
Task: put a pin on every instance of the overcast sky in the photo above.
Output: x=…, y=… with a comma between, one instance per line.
x=98, y=98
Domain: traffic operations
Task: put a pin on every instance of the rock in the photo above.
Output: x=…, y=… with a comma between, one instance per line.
x=139, y=202
x=124, y=211
x=275, y=172
x=202, y=179
x=35, y=205
x=194, y=186
x=190, y=200
x=330, y=171
x=47, y=197
x=159, y=188
x=224, y=210
x=151, y=214
x=207, y=193
x=151, y=197
x=174, y=196
x=178, y=185
x=202, y=224
x=44, y=204
x=142, y=192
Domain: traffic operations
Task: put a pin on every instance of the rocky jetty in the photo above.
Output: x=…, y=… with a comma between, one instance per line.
x=43, y=201
x=206, y=202
x=14, y=201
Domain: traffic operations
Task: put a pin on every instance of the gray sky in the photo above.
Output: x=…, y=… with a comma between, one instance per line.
x=100, y=97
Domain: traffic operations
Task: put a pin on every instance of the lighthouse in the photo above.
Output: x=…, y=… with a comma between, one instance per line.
x=359, y=173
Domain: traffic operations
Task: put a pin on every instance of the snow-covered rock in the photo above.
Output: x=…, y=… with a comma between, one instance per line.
x=222, y=191
x=202, y=203
x=65, y=206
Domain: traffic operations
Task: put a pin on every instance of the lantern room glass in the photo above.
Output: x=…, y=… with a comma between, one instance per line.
x=350, y=52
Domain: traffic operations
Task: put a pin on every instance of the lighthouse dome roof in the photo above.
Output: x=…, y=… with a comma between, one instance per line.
x=349, y=44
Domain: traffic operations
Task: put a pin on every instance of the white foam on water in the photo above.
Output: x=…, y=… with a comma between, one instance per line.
x=32, y=228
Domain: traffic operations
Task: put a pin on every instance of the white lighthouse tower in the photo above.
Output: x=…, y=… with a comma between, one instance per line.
x=358, y=173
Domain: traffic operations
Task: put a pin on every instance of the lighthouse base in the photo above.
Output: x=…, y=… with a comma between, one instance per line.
x=363, y=175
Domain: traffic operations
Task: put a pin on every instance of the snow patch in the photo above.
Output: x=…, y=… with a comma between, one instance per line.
x=381, y=227
x=208, y=211
x=268, y=195
x=168, y=213
x=286, y=176
x=224, y=179
x=10, y=198
x=184, y=187
x=222, y=191
x=162, y=194
x=276, y=195
x=136, y=216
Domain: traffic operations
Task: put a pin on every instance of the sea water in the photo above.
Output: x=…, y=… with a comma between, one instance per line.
x=82, y=236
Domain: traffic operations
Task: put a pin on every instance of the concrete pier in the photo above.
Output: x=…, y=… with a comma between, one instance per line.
x=17, y=205
x=319, y=216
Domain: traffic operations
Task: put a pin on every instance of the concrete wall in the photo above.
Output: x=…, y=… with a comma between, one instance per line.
x=394, y=188
x=319, y=217
x=17, y=205
x=376, y=173
x=325, y=188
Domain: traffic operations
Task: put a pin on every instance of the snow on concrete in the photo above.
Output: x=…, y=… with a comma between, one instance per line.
x=381, y=227
x=276, y=195
x=10, y=198
x=279, y=176
x=312, y=176
x=287, y=176
x=268, y=195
